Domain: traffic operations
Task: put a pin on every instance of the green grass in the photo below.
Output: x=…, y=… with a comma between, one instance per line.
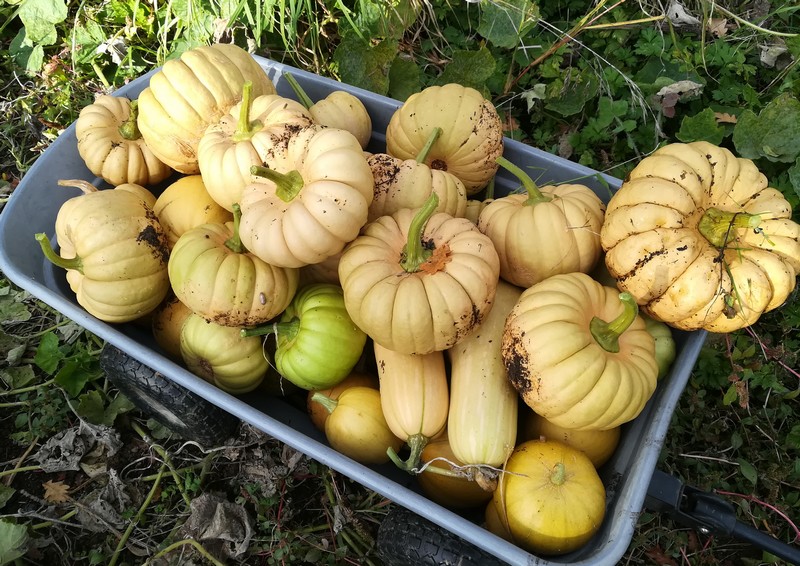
x=599, y=95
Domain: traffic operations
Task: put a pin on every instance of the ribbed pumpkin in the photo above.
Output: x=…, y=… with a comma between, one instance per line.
x=249, y=134
x=418, y=282
x=217, y=278
x=192, y=92
x=112, y=146
x=543, y=230
x=312, y=200
x=579, y=354
x=472, y=134
x=700, y=240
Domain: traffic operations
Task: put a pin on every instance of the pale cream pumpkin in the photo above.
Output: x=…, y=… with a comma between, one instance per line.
x=700, y=240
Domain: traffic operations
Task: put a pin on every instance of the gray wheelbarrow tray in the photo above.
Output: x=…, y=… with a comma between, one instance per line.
x=33, y=208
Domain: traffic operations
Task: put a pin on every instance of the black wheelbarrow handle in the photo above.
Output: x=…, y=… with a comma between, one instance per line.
x=709, y=514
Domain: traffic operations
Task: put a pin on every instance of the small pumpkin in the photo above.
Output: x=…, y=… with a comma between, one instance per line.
x=551, y=500
x=318, y=413
x=598, y=445
x=356, y=427
x=445, y=480
x=311, y=201
x=579, y=354
x=339, y=109
x=216, y=277
x=543, y=231
x=110, y=144
x=186, y=204
x=472, y=133
x=317, y=344
x=407, y=183
x=700, y=240
x=114, y=251
x=166, y=323
x=247, y=135
x=220, y=355
x=417, y=282
x=190, y=93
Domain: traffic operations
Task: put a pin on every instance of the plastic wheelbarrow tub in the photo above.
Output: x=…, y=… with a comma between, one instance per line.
x=33, y=208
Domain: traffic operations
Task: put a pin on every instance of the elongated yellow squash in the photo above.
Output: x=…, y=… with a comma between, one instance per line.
x=482, y=421
x=414, y=398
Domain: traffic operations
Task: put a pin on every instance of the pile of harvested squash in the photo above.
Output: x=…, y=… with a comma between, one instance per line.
x=492, y=347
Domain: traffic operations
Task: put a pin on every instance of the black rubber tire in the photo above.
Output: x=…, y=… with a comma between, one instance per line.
x=406, y=539
x=178, y=409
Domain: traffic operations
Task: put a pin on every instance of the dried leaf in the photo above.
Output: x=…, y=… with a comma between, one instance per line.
x=677, y=14
x=223, y=528
x=438, y=259
x=725, y=118
x=717, y=26
x=55, y=491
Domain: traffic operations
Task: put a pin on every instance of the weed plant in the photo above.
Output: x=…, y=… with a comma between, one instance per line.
x=600, y=83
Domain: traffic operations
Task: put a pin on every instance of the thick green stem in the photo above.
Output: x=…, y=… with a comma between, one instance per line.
x=415, y=254
x=234, y=243
x=73, y=263
x=290, y=327
x=426, y=149
x=129, y=130
x=416, y=442
x=298, y=90
x=607, y=333
x=287, y=185
x=559, y=475
x=535, y=196
x=329, y=404
x=719, y=226
x=245, y=129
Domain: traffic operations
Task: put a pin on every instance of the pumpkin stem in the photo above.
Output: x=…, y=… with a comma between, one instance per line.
x=298, y=90
x=287, y=185
x=416, y=442
x=289, y=328
x=607, y=333
x=535, y=196
x=719, y=226
x=73, y=263
x=129, y=130
x=85, y=186
x=234, y=243
x=245, y=129
x=426, y=149
x=414, y=253
x=489, y=190
x=559, y=475
x=325, y=401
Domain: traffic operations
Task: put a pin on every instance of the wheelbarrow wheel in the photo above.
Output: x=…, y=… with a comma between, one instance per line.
x=174, y=407
x=406, y=539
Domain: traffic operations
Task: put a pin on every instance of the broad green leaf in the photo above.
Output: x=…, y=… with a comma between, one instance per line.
x=748, y=470
x=5, y=494
x=13, y=541
x=18, y=376
x=73, y=376
x=119, y=405
x=774, y=133
x=794, y=176
x=90, y=407
x=405, y=78
x=608, y=110
x=11, y=348
x=469, y=68
x=736, y=440
x=39, y=18
x=701, y=127
x=48, y=355
x=363, y=65
x=730, y=396
x=12, y=310
x=578, y=91
x=793, y=437
x=504, y=23
x=384, y=18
